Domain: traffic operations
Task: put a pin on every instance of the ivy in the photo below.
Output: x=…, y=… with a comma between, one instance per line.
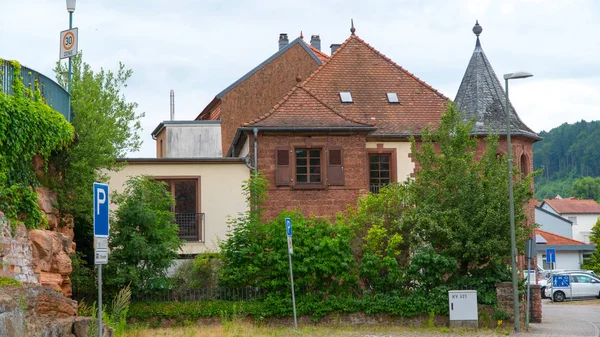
x=28, y=127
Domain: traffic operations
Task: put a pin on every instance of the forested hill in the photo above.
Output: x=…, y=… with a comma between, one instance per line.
x=567, y=154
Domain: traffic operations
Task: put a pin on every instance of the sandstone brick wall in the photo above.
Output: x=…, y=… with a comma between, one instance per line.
x=504, y=295
x=260, y=92
x=319, y=202
x=16, y=253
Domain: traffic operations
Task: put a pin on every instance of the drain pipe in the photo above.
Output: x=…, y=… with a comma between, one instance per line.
x=255, y=131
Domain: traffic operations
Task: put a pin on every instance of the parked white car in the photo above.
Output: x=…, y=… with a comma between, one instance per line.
x=582, y=285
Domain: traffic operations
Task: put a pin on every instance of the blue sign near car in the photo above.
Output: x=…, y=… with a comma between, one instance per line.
x=561, y=281
x=100, y=210
x=550, y=255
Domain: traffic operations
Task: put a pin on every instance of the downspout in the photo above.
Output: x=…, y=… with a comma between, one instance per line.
x=255, y=131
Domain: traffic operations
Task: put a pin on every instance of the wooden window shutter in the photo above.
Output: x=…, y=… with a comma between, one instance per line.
x=283, y=174
x=335, y=167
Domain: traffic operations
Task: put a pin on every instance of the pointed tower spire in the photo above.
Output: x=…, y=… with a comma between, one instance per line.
x=477, y=30
x=352, y=29
x=481, y=97
x=301, y=35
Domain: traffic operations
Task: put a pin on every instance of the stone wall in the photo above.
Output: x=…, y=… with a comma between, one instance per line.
x=504, y=295
x=39, y=256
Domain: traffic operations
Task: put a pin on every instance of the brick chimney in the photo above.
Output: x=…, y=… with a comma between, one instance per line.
x=334, y=47
x=283, y=40
x=315, y=41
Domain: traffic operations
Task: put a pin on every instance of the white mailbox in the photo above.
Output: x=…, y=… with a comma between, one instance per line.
x=463, y=306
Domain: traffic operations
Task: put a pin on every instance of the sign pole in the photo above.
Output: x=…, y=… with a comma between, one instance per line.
x=100, y=300
x=288, y=229
x=528, y=293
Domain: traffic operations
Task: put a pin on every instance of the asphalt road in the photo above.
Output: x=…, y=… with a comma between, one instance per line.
x=577, y=318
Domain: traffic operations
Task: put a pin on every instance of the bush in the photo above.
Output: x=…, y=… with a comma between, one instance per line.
x=201, y=272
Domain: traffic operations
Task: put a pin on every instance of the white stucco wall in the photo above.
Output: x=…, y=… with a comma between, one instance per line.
x=193, y=141
x=220, y=193
x=404, y=166
x=564, y=259
x=583, y=227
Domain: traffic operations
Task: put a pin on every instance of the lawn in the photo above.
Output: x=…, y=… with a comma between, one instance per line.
x=245, y=329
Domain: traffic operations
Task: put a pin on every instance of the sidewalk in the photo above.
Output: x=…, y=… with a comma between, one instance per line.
x=565, y=320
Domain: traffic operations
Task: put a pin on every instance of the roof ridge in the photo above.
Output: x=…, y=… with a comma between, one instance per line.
x=317, y=51
x=275, y=107
x=402, y=69
x=563, y=237
x=342, y=115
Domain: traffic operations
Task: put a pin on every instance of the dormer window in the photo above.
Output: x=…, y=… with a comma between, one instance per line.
x=345, y=97
x=393, y=97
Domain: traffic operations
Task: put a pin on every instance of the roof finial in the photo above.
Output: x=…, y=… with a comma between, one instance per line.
x=298, y=77
x=477, y=30
x=352, y=29
x=301, y=36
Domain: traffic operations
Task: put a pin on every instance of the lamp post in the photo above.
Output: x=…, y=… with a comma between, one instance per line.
x=70, y=9
x=513, y=239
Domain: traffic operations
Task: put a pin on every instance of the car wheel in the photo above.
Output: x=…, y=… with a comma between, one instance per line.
x=559, y=296
x=543, y=290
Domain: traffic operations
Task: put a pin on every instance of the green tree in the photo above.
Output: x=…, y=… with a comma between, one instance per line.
x=586, y=188
x=594, y=262
x=461, y=201
x=143, y=239
x=107, y=127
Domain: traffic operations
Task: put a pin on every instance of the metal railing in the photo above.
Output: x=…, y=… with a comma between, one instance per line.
x=374, y=188
x=54, y=95
x=191, y=226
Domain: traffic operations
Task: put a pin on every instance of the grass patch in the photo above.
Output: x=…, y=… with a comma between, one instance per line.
x=246, y=329
x=9, y=282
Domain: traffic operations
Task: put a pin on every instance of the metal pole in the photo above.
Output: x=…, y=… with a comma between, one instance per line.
x=70, y=67
x=528, y=292
x=513, y=240
x=99, y=300
x=293, y=296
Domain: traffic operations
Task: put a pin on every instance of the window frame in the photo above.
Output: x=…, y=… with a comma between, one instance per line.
x=171, y=180
x=381, y=150
x=322, y=164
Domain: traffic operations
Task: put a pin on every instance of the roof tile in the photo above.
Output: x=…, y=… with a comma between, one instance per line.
x=555, y=239
x=574, y=206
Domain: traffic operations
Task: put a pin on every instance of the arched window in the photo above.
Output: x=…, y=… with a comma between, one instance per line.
x=524, y=164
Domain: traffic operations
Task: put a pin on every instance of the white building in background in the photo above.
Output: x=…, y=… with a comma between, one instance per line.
x=583, y=214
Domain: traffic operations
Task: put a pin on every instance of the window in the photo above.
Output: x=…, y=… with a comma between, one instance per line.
x=392, y=97
x=314, y=167
x=547, y=265
x=345, y=97
x=186, y=209
x=308, y=166
x=379, y=171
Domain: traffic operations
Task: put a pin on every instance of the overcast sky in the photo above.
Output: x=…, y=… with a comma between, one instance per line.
x=198, y=48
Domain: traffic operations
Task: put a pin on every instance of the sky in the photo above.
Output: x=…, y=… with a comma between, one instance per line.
x=199, y=47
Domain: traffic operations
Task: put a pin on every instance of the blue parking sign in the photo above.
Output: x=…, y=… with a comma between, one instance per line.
x=100, y=210
x=288, y=226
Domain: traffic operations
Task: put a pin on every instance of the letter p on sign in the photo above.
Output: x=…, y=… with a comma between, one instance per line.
x=100, y=210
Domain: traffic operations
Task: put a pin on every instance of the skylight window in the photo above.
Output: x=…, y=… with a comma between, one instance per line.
x=392, y=97
x=345, y=97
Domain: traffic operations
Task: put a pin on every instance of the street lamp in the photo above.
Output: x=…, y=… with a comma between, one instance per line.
x=70, y=9
x=513, y=240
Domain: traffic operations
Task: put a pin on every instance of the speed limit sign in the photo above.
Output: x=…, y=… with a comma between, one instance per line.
x=68, y=43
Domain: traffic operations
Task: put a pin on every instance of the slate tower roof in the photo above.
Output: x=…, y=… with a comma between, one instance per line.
x=481, y=97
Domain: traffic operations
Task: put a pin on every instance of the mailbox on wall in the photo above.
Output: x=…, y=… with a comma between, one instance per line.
x=463, y=308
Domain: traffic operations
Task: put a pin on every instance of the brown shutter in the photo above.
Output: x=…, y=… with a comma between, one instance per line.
x=335, y=167
x=283, y=175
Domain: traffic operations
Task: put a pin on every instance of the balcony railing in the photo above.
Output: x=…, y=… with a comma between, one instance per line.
x=54, y=95
x=191, y=226
x=374, y=188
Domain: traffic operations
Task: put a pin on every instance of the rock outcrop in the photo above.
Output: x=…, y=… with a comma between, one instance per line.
x=41, y=311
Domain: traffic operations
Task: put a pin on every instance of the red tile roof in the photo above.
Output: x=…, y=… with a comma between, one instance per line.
x=555, y=239
x=301, y=108
x=574, y=206
x=368, y=75
x=321, y=55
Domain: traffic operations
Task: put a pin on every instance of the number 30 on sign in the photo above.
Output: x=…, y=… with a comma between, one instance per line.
x=68, y=43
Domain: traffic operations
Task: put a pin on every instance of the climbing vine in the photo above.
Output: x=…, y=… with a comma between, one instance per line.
x=28, y=127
